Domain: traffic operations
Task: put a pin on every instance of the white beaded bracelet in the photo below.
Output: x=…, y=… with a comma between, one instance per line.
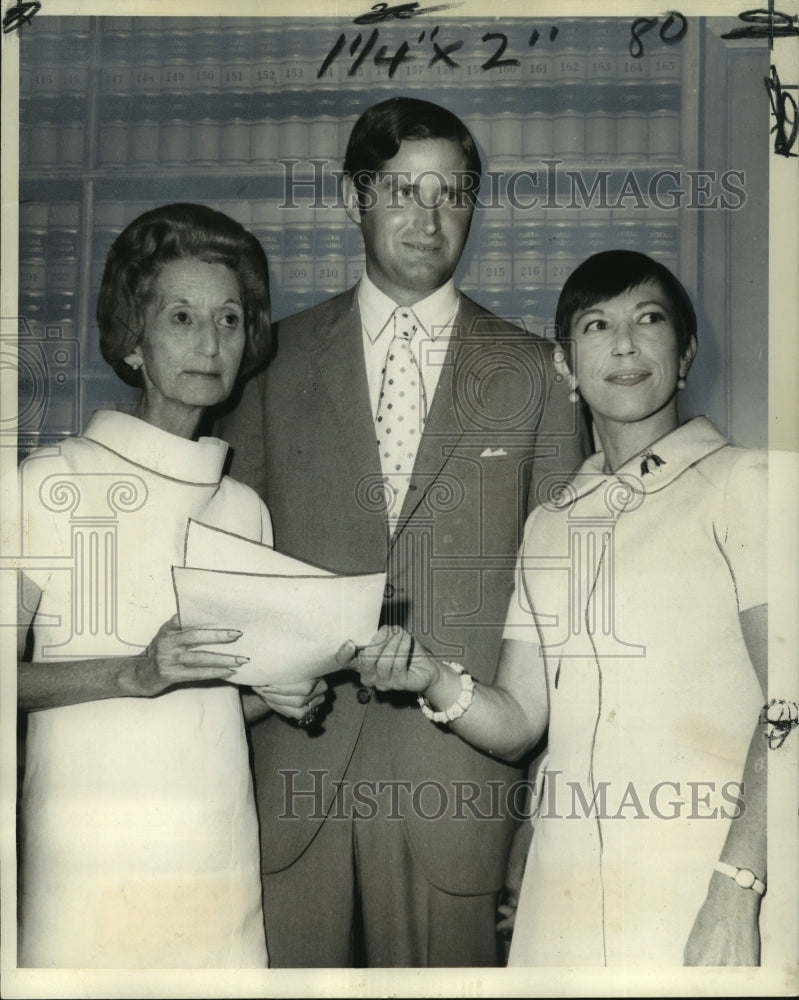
x=464, y=700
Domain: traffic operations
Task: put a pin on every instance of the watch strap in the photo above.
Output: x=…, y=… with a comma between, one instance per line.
x=744, y=877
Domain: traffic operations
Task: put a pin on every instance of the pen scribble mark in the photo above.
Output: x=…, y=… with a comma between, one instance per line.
x=19, y=14
x=762, y=23
x=781, y=103
x=401, y=11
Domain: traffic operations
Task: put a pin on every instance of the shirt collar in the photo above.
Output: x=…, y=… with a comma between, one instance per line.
x=433, y=312
x=198, y=462
x=654, y=468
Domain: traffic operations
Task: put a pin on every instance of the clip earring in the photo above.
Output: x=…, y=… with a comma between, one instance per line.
x=574, y=395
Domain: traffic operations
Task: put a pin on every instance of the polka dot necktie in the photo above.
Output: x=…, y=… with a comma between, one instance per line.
x=401, y=412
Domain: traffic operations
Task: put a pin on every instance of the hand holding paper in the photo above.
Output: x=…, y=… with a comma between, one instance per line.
x=293, y=616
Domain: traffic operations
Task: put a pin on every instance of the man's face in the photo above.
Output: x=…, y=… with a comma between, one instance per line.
x=415, y=219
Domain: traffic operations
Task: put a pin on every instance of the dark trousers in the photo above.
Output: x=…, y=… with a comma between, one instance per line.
x=357, y=896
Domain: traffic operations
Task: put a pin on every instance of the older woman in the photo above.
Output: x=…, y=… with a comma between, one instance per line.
x=139, y=835
x=637, y=642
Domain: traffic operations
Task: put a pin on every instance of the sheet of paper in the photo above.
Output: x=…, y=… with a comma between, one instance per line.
x=292, y=626
x=213, y=548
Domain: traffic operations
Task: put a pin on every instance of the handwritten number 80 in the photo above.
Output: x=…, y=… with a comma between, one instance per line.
x=667, y=32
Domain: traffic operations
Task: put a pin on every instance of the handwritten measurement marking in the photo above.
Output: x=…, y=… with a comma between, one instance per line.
x=442, y=54
x=495, y=58
x=536, y=34
x=672, y=29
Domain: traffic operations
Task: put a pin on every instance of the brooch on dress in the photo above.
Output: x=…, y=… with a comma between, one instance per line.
x=650, y=456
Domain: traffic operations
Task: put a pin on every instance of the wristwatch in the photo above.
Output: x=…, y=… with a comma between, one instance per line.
x=744, y=877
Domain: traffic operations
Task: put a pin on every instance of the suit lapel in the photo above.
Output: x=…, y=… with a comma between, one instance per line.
x=338, y=366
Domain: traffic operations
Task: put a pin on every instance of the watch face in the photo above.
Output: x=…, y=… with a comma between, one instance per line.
x=745, y=878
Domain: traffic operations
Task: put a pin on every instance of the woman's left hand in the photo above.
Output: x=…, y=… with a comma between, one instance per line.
x=725, y=931
x=295, y=701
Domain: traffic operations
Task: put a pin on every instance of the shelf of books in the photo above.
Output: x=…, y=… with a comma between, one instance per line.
x=587, y=143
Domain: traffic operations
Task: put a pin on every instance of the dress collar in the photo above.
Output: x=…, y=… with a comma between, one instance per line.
x=652, y=469
x=433, y=313
x=199, y=462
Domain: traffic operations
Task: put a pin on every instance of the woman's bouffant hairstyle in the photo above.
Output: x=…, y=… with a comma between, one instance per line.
x=377, y=135
x=606, y=275
x=174, y=232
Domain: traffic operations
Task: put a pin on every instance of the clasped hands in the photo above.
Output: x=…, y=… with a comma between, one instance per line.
x=392, y=661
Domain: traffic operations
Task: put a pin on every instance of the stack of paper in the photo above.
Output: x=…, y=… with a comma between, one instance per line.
x=293, y=616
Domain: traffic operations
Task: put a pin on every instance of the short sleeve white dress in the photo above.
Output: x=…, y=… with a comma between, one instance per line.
x=139, y=840
x=635, y=581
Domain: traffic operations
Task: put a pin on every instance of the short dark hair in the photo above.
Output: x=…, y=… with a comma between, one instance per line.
x=377, y=135
x=606, y=275
x=174, y=232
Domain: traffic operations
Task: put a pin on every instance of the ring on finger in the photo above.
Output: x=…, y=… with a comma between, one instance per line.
x=310, y=717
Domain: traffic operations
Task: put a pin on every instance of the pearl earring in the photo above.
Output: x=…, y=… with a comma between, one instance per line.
x=681, y=383
x=574, y=395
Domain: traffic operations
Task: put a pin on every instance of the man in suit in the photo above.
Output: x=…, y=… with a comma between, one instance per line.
x=384, y=837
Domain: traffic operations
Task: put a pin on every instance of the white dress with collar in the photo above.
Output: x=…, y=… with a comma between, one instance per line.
x=636, y=580
x=140, y=839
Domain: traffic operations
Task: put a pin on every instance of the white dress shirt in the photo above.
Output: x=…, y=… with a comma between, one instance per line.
x=435, y=315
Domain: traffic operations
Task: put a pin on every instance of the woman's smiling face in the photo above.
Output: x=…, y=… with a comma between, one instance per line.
x=627, y=357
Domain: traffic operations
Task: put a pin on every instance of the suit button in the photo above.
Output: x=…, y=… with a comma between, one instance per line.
x=364, y=695
x=389, y=590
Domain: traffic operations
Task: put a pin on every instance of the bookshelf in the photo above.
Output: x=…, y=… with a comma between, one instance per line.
x=584, y=147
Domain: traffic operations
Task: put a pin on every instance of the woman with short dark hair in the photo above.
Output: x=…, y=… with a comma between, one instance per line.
x=139, y=834
x=636, y=644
